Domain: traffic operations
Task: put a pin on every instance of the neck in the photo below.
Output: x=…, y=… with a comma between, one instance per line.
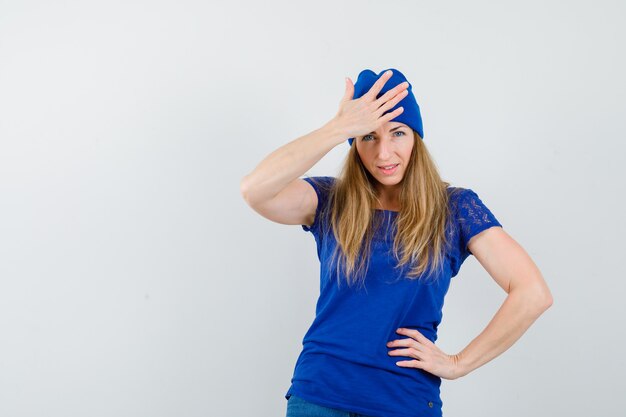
x=389, y=197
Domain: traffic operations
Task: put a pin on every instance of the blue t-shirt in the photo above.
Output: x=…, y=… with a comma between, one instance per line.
x=344, y=363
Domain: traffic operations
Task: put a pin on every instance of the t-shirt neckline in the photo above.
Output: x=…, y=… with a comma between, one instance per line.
x=387, y=211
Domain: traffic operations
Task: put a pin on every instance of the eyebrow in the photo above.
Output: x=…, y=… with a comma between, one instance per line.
x=395, y=128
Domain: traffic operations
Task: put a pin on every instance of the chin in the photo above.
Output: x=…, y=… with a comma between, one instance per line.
x=392, y=180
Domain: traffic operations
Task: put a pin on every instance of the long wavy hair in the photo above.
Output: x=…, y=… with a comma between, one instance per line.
x=419, y=228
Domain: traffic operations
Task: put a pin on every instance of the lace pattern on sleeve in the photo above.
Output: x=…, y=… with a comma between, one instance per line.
x=473, y=217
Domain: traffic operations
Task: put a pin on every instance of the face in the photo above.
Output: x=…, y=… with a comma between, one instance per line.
x=391, y=144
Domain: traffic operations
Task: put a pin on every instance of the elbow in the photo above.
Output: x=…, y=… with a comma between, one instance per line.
x=252, y=192
x=545, y=297
x=543, y=301
x=547, y=301
x=537, y=299
x=244, y=188
x=535, y=291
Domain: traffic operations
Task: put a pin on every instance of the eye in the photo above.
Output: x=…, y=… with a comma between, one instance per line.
x=364, y=139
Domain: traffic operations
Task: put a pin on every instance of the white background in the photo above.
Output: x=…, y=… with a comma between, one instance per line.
x=135, y=280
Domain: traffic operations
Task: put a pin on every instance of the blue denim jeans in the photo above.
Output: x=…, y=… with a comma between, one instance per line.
x=299, y=407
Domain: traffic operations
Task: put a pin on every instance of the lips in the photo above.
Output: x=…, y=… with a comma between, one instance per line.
x=387, y=166
x=388, y=171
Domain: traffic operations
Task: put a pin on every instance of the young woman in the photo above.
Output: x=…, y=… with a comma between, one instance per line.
x=390, y=235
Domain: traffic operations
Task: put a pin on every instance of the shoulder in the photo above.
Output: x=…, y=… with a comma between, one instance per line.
x=462, y=196
x=321, y=181
x=458, y=195
x=469, y=211
x=321, y=184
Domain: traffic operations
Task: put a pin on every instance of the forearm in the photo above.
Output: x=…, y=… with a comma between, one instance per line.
x=289, y=162
x=518, y=312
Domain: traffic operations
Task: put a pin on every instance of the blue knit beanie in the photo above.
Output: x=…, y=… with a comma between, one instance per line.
x=410, y=115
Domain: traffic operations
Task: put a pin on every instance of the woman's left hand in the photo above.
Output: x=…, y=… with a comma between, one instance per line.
x=428, y=356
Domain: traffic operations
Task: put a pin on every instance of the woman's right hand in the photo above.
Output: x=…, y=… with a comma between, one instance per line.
x=362, y=116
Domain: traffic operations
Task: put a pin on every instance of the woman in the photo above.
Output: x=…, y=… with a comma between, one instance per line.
x=390, y=235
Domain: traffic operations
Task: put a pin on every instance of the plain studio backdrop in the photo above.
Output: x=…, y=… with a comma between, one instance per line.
x=136, y=281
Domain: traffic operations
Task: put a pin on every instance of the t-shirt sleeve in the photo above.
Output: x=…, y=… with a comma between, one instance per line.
x=473, y=217
x=470, y=216
x=322, y=186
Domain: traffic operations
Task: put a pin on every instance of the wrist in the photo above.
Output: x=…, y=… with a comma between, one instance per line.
x=461, y=368
x=334, y=131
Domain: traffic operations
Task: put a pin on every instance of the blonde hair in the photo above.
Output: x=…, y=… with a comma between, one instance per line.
x=420, y=225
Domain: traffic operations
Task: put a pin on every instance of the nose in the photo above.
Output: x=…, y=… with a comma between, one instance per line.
x=384, y=150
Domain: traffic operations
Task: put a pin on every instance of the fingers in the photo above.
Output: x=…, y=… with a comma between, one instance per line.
x=413, y=349
x=391, y=115
x=411, y=364
x=391, y=103
x=408, y=353
x=414, y=333
x=349, y=90
x=378, y=85
x=408, y=342
x=397, y=93
x=425, y=355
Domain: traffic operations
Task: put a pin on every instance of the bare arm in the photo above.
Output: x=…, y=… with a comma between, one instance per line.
x=511, y=267
x=289, y=162
x=528, y=297
x=273, y=187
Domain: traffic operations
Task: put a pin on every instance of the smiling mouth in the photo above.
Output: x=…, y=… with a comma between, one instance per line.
x=389, y=170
